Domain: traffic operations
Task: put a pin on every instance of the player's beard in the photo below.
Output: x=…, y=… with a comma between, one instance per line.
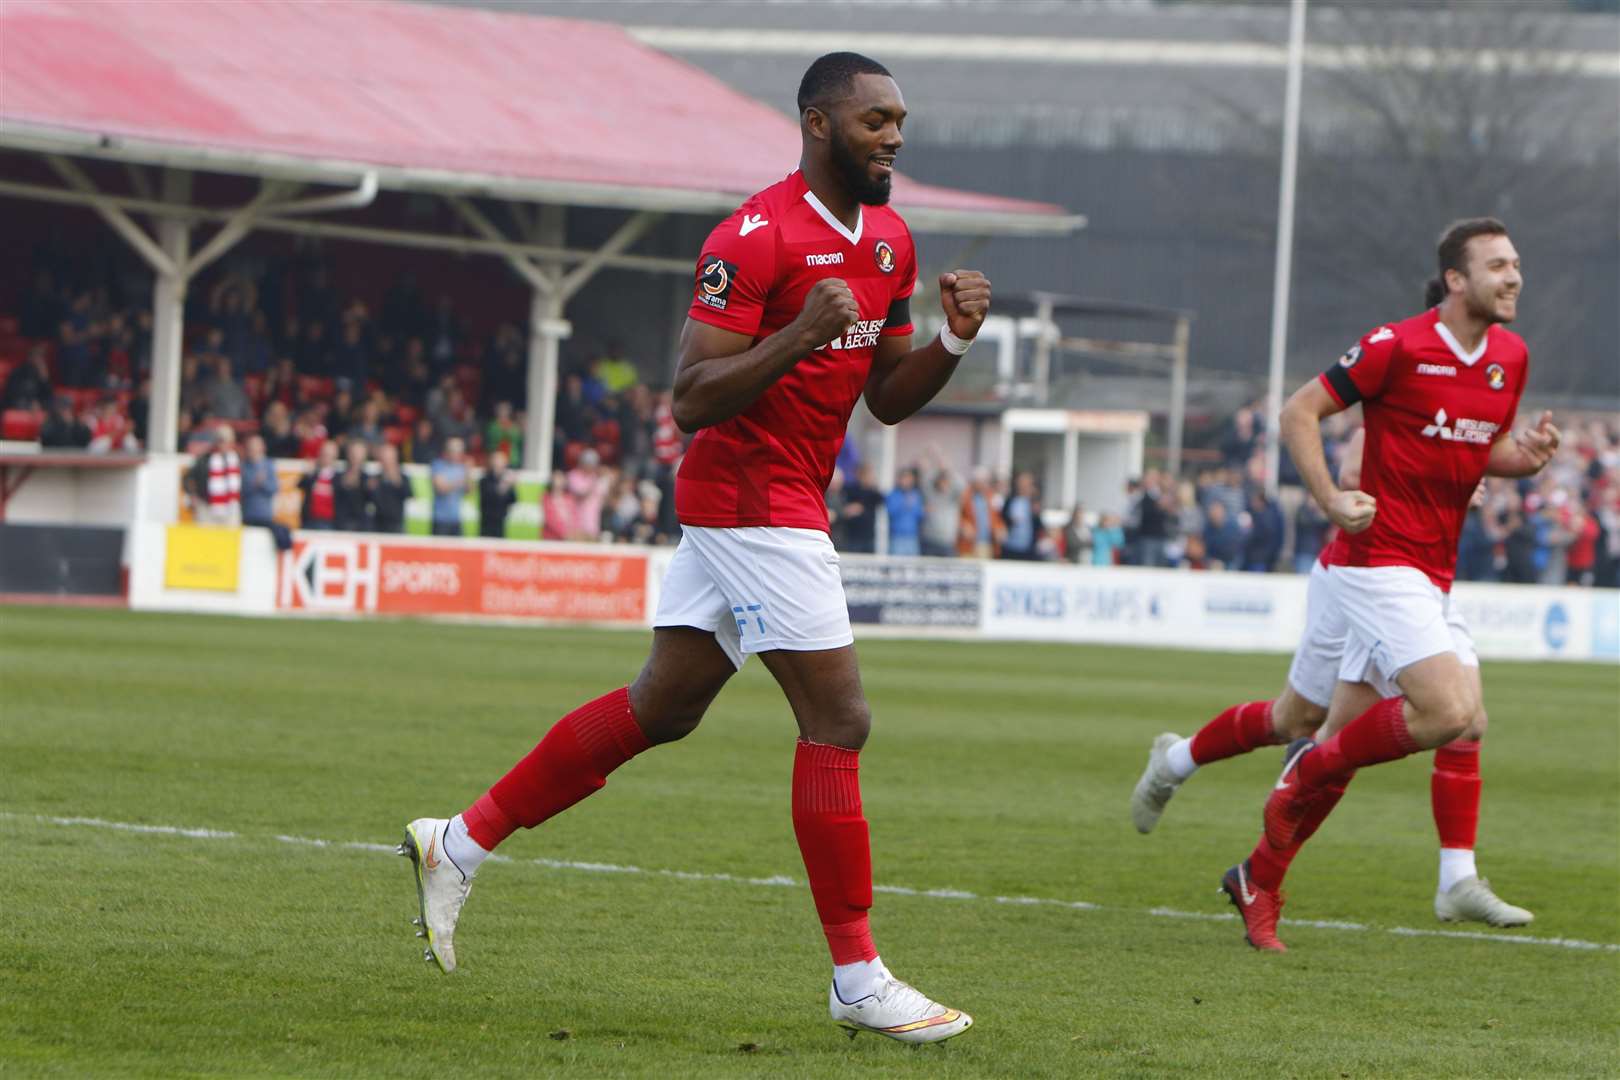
x=856, y=174
x=1484, y=308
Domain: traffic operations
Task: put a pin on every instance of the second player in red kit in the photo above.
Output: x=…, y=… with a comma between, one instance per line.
x=1439, y=393
x=1433, y=409
x=801, y=305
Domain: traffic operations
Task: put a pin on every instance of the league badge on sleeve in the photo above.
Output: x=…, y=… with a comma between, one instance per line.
x=885, y=256
x=1348, y=360
x=1495, y=377
x=715, y=277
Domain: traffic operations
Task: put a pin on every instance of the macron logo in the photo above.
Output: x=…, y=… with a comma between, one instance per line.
x=1384, y=334
x=750, y=222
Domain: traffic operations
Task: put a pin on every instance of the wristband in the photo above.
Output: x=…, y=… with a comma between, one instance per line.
x=954, y=345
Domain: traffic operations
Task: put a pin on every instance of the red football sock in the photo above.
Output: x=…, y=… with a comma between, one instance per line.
x=1236, y=731
x=1454, y=793
x=1268, y=865
x=1377, y=735
x=833, y=839
x=573, y=760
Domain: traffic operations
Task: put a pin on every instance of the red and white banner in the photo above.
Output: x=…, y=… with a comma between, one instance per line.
x=351, y=574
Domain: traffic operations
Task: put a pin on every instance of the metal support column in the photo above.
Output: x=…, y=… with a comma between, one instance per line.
x=168, y=319
x=547, y=330
x=1041, y=373
x=1178, y=393
x=888, y=468
x=168, y=326
x=1071, y=468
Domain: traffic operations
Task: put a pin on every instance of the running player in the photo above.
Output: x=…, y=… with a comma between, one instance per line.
x=1461, y=895
x=1439, y=393
x=802, y=303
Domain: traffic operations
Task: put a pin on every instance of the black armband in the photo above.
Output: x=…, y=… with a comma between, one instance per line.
x=899, y=313
x=1343, y=385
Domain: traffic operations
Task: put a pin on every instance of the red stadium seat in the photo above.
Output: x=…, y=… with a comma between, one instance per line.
x=20, y=425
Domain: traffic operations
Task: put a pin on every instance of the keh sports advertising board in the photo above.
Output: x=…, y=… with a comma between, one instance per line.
x=351, y=575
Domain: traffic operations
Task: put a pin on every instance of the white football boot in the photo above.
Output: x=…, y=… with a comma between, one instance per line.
x=1158, y=783
x=898, y=1010
x=1471, y=900
x=441, y=889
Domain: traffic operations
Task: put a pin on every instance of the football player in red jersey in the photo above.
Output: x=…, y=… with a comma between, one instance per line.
x=802, y=304
x=1439, y=393
x=1302, y=709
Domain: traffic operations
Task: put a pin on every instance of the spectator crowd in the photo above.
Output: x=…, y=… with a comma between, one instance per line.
x=278, y=364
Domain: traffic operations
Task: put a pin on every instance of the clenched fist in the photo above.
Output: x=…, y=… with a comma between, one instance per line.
x=1352, y=511
x=829, y=310
x=1540, y=443
x=965, y=296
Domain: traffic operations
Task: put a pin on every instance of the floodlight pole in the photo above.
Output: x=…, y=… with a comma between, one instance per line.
x=1285, y=241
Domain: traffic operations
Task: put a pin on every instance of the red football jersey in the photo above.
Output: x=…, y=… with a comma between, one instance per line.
x=1432, y=412
x=1333, y=553
x=771, y=464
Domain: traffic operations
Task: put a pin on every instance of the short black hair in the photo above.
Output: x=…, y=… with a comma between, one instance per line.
x=1451, y=253
x=830, y=75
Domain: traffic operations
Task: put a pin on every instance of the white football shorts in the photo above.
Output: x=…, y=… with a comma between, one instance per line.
x=1396, y=616
x=757, y=589
x=1320, y=655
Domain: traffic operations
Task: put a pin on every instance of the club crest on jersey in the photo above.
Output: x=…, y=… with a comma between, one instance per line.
x=714, y=280
x=1348, y=360
x=1495, y=377
x=885, y=256
x=1478, y=432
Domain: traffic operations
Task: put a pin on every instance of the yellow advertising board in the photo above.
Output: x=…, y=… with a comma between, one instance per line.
x=202, y=557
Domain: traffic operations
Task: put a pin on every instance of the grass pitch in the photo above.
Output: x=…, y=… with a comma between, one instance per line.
x=994, y=771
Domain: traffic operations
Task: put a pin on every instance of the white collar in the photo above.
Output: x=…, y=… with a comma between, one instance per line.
x=1469, y=359
x=837, y=226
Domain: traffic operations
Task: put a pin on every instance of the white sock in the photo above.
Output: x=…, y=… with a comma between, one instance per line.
x=858, y=980
x=1455, y=865
x=462, y=848
x=1179, y=758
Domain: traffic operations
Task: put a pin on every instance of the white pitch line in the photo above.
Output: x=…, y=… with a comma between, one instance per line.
x=780, y=880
